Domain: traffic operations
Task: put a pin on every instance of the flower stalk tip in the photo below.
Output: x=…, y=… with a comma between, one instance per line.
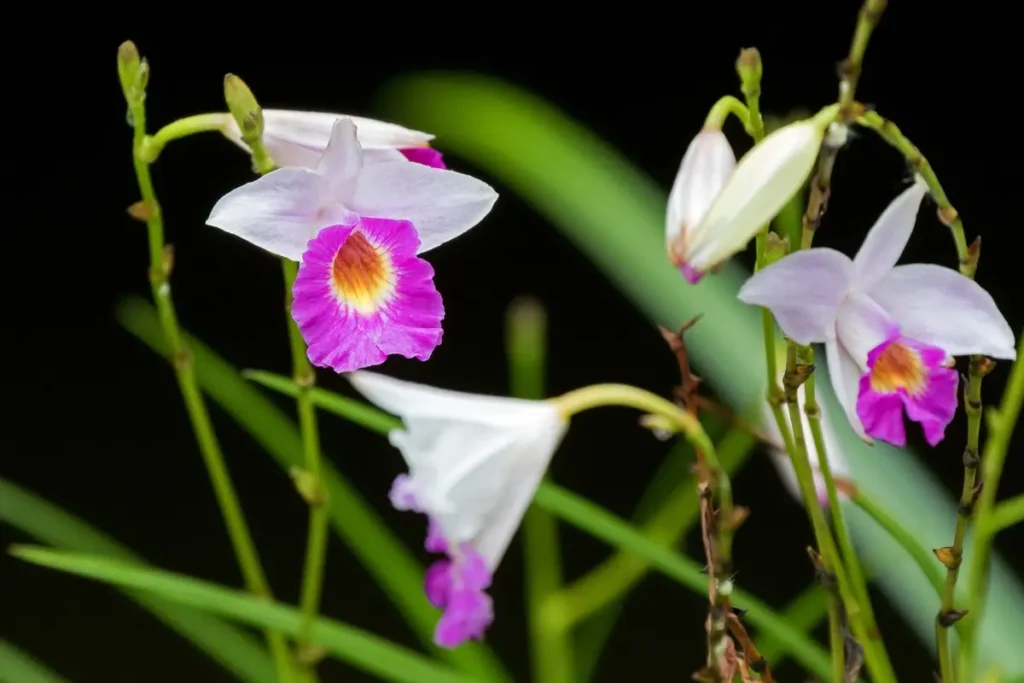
x=132, y=71
x=243, y=107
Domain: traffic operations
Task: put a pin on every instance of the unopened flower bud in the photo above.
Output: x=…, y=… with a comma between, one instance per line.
x=243, y=107
x=763, y=182
x=132, y=71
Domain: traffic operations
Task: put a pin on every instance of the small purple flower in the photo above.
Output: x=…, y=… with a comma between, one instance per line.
x=474, y=464
x=890, y=332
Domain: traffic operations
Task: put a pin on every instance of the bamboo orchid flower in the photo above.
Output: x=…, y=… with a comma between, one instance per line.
x=890, y=332
x=362, y=292
x=733, y=207
x=474, y=465
x=299, y=138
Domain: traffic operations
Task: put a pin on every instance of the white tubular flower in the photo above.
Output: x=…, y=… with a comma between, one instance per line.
x=474, y=465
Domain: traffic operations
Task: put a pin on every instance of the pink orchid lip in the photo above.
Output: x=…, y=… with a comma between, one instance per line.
x=690, y=274
x=907, y=375
x=428, y=156
x=362, y=294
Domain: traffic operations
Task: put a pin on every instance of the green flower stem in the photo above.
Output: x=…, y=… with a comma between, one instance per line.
x=870, y=13
x=160, y=265
x=1000, y=428
x=967, y=257
x=720, y=112
x=874, y=651
x=190, y=125
x=551, y=647
x=615, y=577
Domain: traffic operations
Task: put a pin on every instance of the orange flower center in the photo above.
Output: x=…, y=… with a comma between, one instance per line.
x=361, y=273
x=898, y=367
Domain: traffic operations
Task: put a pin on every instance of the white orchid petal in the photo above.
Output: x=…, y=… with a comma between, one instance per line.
x=298, y=138
x=476, y=460
x=941, y=307
x=888, y=237
x=341, y=162
x=803, y=292
x=861, y=325
x=844, y=375
x=764, y=180
x=707, y=164
x=441, y=204
x=276, y=212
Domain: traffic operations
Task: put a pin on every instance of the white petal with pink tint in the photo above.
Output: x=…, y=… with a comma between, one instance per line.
x=707, y=164
x=939, y=306
x=441, y=204
x=803, y=292
x=888, y=237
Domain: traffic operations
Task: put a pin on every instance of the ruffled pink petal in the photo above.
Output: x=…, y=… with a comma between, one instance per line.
x=362, y=294
x=436, y=542
x=468, y=610
x=428, y=156
x=437, y=583
x=904, y=374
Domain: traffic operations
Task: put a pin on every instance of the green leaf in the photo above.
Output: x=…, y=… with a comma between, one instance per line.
x=235, y=650
x=363, y=650
x=355, y=522
x=20, y=667
x=803, y=613
x=615, y=215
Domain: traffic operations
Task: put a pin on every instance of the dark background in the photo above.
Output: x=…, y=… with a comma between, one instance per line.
x=93, y=420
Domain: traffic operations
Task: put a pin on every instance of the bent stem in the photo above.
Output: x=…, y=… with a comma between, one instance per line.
x=190, y=125
x=1000, y=428
x=161, y=262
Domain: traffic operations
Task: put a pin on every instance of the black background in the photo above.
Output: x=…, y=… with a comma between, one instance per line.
x=93, y=420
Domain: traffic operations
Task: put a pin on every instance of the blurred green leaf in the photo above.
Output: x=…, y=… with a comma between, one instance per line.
x=232, y=648
x=355, y=522
x=20, y=667
x=363, y=650
x=615, y=215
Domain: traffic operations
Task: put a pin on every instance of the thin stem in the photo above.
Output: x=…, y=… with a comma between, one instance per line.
x=721, y=110
x=190, y=125
x=876, y=658
x=598, y=395
x=870, y=13
x=315, y=495
x=1000, y=428
x=160, y=267
x=551, y=646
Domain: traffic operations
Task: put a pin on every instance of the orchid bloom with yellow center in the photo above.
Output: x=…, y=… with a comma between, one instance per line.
x=362, y=291
x=890, y=332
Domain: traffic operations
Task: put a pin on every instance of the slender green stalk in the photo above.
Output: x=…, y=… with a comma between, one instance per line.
x=551, y=646
x=160, y=266
x=310, y=481
x=978, y=368
x=190, y=125
x=870, y=13
x=721, y=110
x=1000, y=428
x=874, y=652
